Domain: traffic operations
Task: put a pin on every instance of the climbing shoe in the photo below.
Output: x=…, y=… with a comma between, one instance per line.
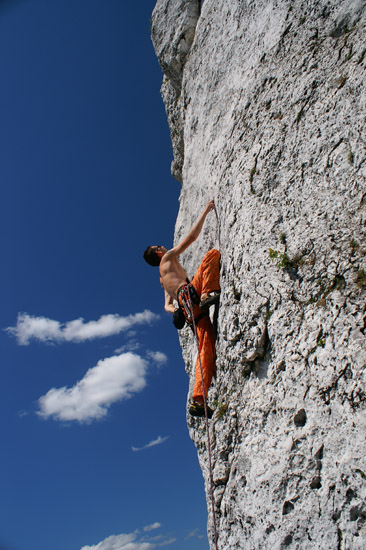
x=211, y=299
x=196, y=409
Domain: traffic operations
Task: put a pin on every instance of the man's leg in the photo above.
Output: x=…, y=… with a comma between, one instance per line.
x=205, y=280
x=207, y=354
x=207, y=276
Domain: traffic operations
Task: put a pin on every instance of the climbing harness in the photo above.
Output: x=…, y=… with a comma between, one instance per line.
x=187, y=295
x=185, y=292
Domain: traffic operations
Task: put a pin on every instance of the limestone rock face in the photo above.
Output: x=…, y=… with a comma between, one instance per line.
x=173, y=29
x=266, y=101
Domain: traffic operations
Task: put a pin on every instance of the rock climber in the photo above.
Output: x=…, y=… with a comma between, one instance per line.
x=204, y=291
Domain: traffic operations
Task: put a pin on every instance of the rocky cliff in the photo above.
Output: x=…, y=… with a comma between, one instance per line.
x=266, y=104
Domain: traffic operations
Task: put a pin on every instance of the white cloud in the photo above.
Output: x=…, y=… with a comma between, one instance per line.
x=47, y=330
x=153, y=526
x=158, y=441
x=132, y=345
x=121, y=542
x=157, y=356
x=194, y=533
x=130, y=541
x=166, y=542
x=112, y=379
x=160, y=540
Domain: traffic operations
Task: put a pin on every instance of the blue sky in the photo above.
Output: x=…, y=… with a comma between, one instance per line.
x=95, y=450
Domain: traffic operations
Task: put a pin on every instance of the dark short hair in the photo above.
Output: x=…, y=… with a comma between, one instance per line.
x=151, y=257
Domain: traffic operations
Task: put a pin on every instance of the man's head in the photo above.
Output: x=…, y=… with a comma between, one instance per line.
x=153, y=254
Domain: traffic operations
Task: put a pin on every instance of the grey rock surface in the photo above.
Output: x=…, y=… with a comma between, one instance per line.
x=266, y=102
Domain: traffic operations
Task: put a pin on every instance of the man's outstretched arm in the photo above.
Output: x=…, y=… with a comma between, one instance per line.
x=193, y=234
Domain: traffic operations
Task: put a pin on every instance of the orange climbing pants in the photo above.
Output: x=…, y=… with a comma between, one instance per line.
x=206, y=280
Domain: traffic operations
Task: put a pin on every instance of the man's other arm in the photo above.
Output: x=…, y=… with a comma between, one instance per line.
x=168, y=305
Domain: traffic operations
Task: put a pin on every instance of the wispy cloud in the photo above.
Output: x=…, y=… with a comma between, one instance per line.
x=46, y=330
x=132, y=541
x=121, y=542
x=158, y=357
x=112, y=379
x=158, y=441
x=165, y=542
x=194, y=533
x=132, y=345
x=153, y=526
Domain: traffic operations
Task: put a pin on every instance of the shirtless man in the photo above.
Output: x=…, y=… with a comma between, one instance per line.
x=205, y=286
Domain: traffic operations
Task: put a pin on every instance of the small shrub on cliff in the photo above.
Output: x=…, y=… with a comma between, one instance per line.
x=248, y=368
x=341, y=81
x=273, y=253
x=350, y=52
x=362, y=56
x=236, y=293
x=221, y=409
x=361, y=278
x=283, y=261
x=282, y=238
x=268, y=314
x=354, y=245
x=320, y=342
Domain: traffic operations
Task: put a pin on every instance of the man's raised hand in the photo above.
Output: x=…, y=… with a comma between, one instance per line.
x=210, y=206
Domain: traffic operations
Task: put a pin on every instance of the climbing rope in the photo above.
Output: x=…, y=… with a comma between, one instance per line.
x=206, y=417
x=218, y=226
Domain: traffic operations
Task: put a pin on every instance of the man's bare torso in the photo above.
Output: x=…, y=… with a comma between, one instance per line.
x=173, y=275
